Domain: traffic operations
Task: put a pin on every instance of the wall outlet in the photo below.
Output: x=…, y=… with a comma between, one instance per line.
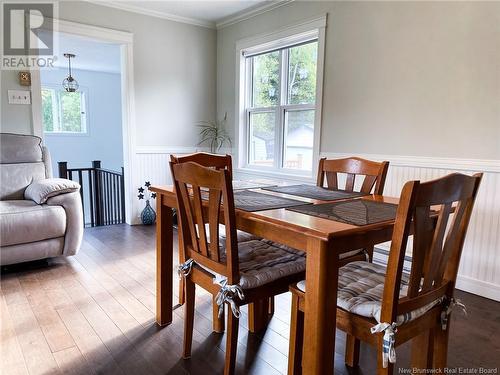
x=19, y=97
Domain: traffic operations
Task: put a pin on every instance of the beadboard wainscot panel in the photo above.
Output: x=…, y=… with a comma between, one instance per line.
x=151, y=164
x=480, y=265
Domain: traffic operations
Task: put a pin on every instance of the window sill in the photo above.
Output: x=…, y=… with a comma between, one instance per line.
x=282, y=176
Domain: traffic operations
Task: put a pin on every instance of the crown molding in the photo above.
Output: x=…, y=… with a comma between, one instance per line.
x=153, y=13
x=251, y=12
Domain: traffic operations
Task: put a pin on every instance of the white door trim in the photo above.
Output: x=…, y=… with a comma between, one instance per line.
x=125, y=40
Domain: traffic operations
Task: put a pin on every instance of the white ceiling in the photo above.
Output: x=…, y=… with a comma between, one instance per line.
x=104, y=57
x=201, y=12
x=90, y=55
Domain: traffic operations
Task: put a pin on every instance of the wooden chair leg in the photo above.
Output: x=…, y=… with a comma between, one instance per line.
x=369, y=252
x=181, y=291
x=190, y=290
x=352, y=347
x=296, y=338
x=421, y=351
x=217, y=323
x=231, y=343
x=271, y=306
x=440, y=347
x=258, y=315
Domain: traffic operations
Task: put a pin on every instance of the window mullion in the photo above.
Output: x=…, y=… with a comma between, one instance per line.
x=280, y=115
x=56, y=111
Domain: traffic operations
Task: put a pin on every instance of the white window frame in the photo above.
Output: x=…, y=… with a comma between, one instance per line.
x=309, y=30
x=85, y=118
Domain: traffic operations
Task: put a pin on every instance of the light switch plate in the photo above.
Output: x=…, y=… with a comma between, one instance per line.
x=19, y=97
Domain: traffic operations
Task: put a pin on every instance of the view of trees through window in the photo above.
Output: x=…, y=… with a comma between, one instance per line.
x=63, y=112
x=281, y=124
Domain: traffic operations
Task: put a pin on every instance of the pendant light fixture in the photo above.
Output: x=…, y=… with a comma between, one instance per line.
x=70, y=84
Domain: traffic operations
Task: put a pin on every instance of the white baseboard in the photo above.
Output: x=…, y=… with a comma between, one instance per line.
x=482, y=288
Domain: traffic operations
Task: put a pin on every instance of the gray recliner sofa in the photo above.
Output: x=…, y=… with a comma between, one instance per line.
x=40, y=216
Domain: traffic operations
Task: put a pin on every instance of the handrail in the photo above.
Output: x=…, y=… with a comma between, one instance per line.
x=105, y=202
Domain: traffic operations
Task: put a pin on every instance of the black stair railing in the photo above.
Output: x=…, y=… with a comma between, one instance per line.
x=102, y=192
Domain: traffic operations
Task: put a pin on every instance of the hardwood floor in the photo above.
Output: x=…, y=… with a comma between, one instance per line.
x=94, y=314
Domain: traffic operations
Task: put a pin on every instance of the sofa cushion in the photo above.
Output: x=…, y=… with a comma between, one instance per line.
x=20, y=148
x=16, y=178
x=23, y=221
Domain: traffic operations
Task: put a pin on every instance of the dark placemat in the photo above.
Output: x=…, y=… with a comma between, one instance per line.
x=248, y=200
x=314, y=192
x=356, y=212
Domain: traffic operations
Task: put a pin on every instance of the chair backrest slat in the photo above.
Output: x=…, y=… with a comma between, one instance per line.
x=193, y=183
x=214, y=202
x=199, y=220
x=438, y=239
x=374, y=174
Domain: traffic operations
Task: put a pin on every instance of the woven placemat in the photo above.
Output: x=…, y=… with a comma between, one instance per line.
x=356, y=212
x=248, y=200
x=314, y=192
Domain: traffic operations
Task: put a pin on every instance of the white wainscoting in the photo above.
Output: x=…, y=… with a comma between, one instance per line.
x=480, y=265
x=151, y=164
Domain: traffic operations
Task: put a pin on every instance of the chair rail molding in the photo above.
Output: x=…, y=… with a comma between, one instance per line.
x=478, y=272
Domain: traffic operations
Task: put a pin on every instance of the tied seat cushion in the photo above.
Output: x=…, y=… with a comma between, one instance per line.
x=261, y=262
x=360, y=290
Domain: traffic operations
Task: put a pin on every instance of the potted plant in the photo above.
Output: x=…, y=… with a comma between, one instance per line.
x=214, y=134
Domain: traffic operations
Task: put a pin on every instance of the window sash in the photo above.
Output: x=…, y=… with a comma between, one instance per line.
x=57, y=112
x=280, y=109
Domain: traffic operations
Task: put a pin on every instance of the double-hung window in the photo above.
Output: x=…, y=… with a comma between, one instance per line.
x=280, y=103
x=63, y=112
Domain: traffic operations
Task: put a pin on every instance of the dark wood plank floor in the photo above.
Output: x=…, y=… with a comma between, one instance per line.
x=94, y=314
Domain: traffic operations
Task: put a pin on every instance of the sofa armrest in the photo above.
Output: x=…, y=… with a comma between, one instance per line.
x=41, y=190
x=72, y=204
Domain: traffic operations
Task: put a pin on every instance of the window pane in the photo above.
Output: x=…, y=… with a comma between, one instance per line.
x=71, y=112
x=261, y=148
x=265, y=78
x=47, y=110
x=302, y=74
x=299, y=140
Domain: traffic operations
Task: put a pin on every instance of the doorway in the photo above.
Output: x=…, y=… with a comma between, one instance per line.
x=96, y=124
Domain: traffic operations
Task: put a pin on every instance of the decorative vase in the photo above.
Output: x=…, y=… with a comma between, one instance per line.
x=148, y=215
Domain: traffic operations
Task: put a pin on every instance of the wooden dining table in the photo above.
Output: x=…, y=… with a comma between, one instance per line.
x=322, y=239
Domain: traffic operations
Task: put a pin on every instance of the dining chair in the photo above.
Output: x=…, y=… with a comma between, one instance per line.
x=235, y=274
x=373, y=174
x=256, y=317
x=386, y=307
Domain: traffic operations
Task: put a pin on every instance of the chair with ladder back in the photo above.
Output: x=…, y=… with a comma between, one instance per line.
x=260, y=312
x=234, y=273
x=385, y=307
x=374, y=174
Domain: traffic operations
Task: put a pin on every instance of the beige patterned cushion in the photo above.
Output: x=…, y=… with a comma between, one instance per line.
x=261, y=263
x=360, y=290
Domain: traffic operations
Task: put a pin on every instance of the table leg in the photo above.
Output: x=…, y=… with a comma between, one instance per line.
x=164, y=263
x=320, y=308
